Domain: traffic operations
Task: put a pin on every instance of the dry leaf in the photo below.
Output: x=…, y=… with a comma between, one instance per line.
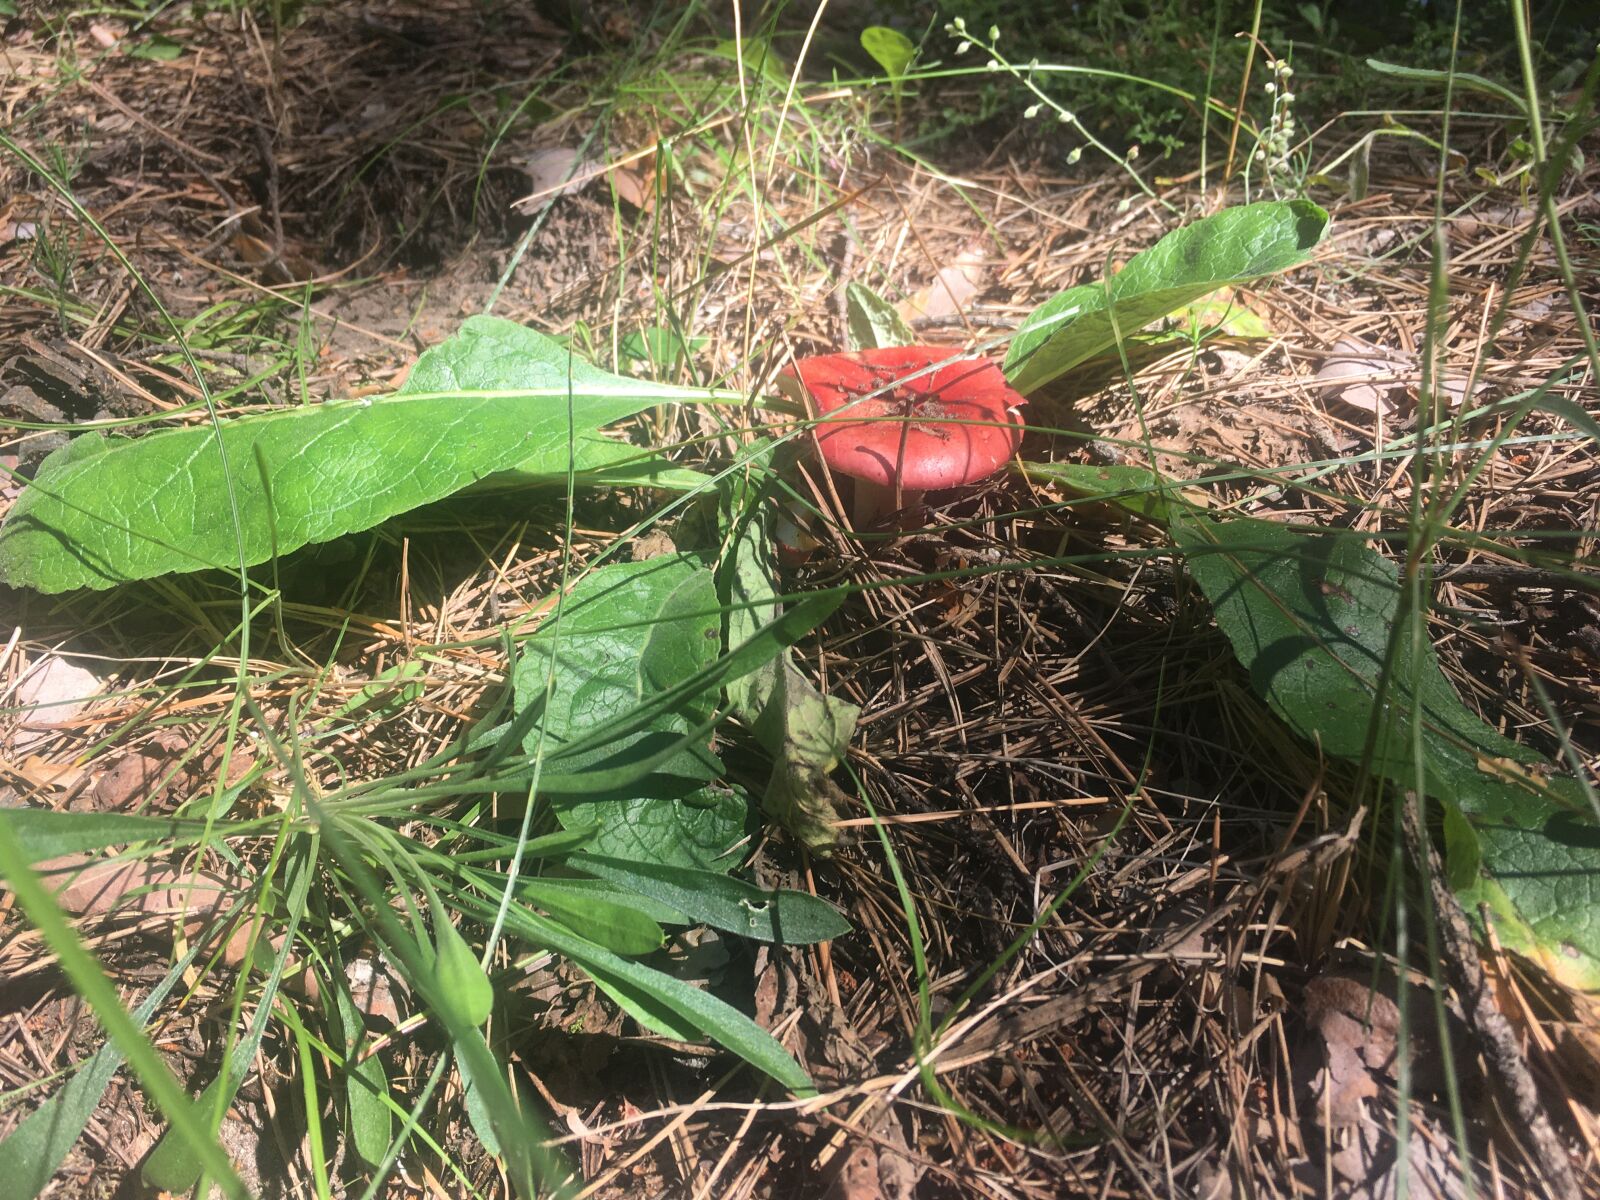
x=635, y=182
x=42, y=773
x=54, y=693
x=104, y=36
x=557, y=170
x=86, y=885
x=947, y=296
x=1358, y=1029
x=1360, y=376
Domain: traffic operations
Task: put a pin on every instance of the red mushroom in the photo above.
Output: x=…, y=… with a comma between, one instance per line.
x=933, y=417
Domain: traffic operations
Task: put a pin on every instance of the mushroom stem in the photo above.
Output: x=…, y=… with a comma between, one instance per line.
x=874, y=501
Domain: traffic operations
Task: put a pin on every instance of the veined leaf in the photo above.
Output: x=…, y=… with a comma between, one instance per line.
x=1231, y=247
x=627, y=633
x=44, y=833
x=1309, y=614
x=366, y=1083
x=496, y=397
x=873, y=321
x=805, y=732
x=33, y=1150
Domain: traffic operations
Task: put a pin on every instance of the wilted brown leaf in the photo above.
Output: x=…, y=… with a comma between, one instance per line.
x=947, y=296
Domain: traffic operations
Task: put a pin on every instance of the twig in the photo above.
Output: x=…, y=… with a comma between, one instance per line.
x=1496, y=1040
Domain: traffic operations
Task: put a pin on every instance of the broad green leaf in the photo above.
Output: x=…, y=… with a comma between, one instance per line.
x=757, y=53
x=698, y=828
x=873, y=321
x=890, y=49
x=157, y=48
x=35, y=901
x=1231, y=247
x=627, y=633
x=659, y=348
x=790, y=917
x=1309, y=615
x=616, y=924
x=806, y=733
x=496, y=397
x=1218, y=315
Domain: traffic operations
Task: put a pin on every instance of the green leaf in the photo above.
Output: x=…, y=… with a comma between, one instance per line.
x=390, y=690
x=1309, y=615
x=1134, y=488
x=157, y=48
x=366, y=1084
x=755, y=52
x=790, y=917
x=1231, y=247
x=1460, y=80
x=627, y=633
x=43, y=833
x=460, y=978
x=614, y=923
x=890, y=49
x=577, y=892
x=177, y=1163
x=87, y=979
x=873, y=321
x=496, y=397
x=806, y=733
x=659, y=347
x=39, y=1143
x=691, y=1009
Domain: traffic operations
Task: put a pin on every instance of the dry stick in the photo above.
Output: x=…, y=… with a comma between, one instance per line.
x=1496, y=1041
x=269, y=161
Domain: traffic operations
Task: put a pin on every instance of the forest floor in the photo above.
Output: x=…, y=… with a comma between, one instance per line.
x=1047, y=704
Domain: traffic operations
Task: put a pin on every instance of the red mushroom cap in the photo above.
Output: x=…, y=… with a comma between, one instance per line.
x=908, y=434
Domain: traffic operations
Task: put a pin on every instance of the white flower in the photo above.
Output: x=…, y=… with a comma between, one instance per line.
x=991, y=65
x=961, y=24
x=994, y=33
x=1064, y=117
x=963, y=47
x=1074, y=155
x=1031, y=111
x=1271, y=87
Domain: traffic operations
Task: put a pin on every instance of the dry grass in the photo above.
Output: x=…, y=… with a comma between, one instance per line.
x=1063, y=706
